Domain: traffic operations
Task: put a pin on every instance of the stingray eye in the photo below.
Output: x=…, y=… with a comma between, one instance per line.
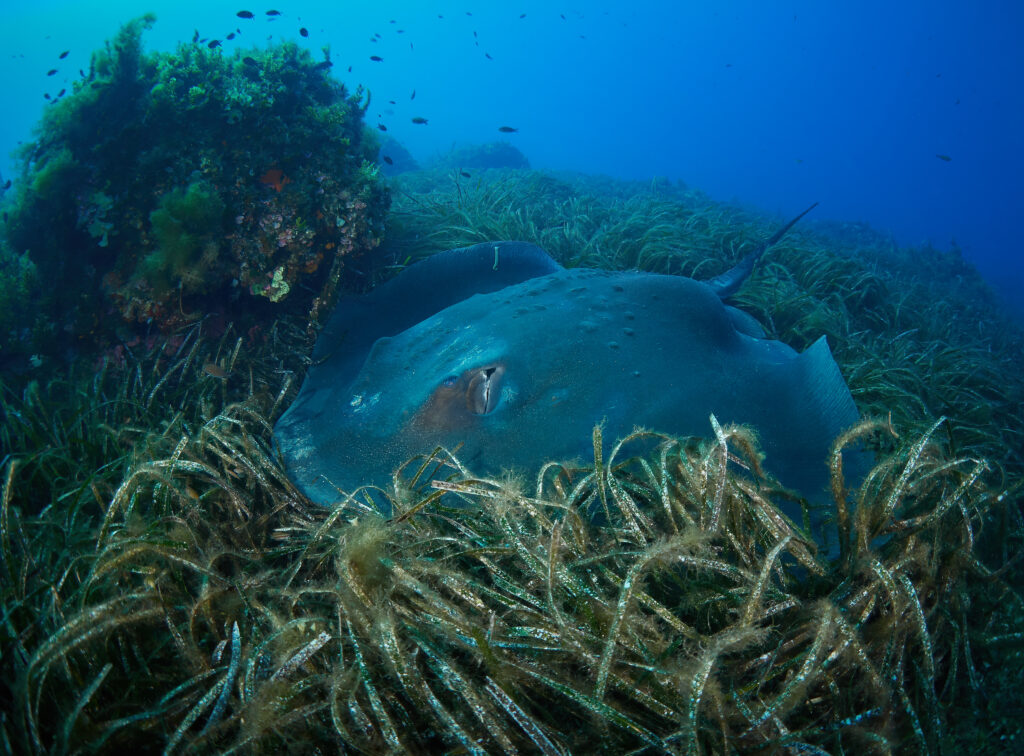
x=450, y=381
x=484, y=389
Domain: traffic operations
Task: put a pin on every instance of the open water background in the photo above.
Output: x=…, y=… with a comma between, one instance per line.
x=771, y=105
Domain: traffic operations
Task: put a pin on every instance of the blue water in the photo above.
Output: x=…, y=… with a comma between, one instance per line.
x=769, y=104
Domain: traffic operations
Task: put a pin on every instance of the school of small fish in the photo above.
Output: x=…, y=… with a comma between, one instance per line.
x=271, y=15
x=217, y=43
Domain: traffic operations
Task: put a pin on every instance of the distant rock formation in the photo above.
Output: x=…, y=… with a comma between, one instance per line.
x=481, y=156
x=393, y=158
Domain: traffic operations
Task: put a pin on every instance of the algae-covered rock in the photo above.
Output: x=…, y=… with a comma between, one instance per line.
x=186, y=227
x=19, y=287
x=170, y=186
x=394, y=158
x=482, y=156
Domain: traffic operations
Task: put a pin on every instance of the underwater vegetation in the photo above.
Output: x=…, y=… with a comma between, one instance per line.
x=165, y=587
x=167, y=187
x=177, y=593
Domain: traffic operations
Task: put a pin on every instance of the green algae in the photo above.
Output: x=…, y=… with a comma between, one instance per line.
x=186, y=228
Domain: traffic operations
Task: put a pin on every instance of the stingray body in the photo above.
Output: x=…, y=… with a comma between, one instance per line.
x=499, y=351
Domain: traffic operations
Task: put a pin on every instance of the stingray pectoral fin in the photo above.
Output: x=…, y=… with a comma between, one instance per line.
x=827, y=393
x=827, y=409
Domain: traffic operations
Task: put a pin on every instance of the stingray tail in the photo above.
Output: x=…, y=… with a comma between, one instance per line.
x=730, y=282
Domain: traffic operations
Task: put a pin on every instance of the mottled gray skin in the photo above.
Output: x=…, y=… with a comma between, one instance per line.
x=520, y=373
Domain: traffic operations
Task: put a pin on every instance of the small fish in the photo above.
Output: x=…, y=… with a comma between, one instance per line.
x=82, y=74
x=382, y=127
x=945, y=158
x=562, y=15
x=249, y=61
x=350, y=69
x=474, y=35
x=61, y=92
x=51, y=72
x=46, y=95
x=507, y=129
x=392, y=102
x=522, y=15
x=376, y=58
x=212, y=368
x=230, y=36
x=465, y=174
x=488, y=56
x=413, y=95
x=273, y=13
x=420, y=121
x=213, y=43
x=387, y=160
x=304, y=31
x=64, y=54
x=244, y=14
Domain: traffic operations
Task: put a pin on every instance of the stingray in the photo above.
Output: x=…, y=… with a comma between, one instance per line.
x=501, y=353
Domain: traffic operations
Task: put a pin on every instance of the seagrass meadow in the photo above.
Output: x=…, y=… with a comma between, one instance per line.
x=165, y=588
